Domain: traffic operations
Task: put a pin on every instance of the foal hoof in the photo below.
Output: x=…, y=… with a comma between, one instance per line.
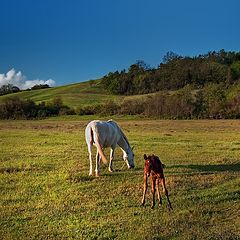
x=110, y=170
x=170, y=208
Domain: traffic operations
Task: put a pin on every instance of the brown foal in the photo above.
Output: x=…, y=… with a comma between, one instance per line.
x=154, y=168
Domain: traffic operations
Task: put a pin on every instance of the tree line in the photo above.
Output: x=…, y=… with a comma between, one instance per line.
x=175, y=72
x=206, y=86
x=210, y=102
x=10, y=88
x=16, y=108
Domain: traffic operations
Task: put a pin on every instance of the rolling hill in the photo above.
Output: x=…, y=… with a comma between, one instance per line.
x=212, y=101
x=73, y=95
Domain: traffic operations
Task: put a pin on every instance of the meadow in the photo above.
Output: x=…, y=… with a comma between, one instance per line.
x=46, y=192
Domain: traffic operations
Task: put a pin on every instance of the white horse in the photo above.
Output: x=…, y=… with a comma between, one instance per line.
x=107, y=134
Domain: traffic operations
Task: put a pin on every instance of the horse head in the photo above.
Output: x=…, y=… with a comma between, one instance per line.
x=128, y=157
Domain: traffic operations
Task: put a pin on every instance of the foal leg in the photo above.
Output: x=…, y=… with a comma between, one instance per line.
x=153, y=191
x=169, y=203
x=97, y=170
x=110, y=169
x=158, y=194
x=166, y=193
x=144, y=189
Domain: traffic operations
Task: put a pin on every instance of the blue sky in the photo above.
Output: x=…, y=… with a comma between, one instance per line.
x=77, y=40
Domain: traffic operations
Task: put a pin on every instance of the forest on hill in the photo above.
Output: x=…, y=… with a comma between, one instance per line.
x=202, y=87
x=175, y=72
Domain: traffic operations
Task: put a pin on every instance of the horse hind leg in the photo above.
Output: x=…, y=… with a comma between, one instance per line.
x=97, y=169
x=90, y=159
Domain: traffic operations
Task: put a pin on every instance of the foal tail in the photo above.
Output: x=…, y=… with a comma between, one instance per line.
x=97, y=144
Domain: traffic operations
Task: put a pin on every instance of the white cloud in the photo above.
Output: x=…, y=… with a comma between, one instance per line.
x=21, y=81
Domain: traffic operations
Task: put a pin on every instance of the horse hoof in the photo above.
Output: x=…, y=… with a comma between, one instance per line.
x=110, y=170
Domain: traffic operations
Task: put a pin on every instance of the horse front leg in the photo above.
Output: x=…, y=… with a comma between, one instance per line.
x=110, y=169
x=97, y=170
x=144, y=189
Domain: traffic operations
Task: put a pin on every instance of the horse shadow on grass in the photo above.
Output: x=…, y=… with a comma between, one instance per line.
x=235, y=167
x=82, y=177
x=204, y=169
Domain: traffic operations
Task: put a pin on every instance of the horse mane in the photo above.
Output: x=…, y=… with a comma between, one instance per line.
x=124, y=136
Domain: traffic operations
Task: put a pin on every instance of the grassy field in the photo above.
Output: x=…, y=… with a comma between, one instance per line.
x=46, y=192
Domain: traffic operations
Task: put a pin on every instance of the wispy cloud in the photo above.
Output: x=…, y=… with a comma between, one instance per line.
x=18, y=79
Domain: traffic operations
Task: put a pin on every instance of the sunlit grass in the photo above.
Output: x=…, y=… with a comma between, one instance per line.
x=46, y=192
x=73, y=95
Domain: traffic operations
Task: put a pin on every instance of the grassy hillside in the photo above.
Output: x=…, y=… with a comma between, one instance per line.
x=213, y=101
x=74, y=95
x=46, y=192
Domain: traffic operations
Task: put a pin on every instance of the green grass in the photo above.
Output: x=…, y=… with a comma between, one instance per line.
x=73, y=95
x=46, y=192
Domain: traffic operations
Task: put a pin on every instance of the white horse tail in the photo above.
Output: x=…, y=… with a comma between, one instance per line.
x=104, y=159
x=97, y=144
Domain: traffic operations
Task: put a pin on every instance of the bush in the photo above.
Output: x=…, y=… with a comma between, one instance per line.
x=9, y=88
x=40, y=86
x=109, y=108
x=88, y=110
x=132, y=107
x=15, y=108
x=233, y=108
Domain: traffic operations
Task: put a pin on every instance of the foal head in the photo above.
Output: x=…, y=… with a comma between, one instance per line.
x=147, y=164
x=152, y=162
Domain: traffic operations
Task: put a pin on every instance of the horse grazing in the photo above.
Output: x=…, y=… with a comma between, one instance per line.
x=103, y=135
x=154, y=168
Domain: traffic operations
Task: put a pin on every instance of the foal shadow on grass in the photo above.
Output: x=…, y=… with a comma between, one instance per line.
x=210, y=168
